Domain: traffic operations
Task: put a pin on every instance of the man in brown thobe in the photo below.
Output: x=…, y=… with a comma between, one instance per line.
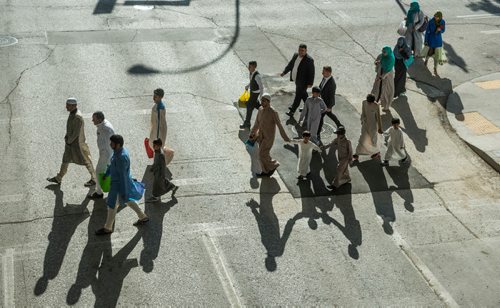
x=76, y=150
x=265, y=130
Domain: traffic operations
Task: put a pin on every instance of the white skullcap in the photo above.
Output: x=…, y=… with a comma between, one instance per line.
x=71, y=101
x=266, y=96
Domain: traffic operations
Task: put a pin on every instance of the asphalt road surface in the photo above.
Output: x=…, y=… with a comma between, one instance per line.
x=423, y=235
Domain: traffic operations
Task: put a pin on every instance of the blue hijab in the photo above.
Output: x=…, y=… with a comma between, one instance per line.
x=388, y=60
x=414, y=8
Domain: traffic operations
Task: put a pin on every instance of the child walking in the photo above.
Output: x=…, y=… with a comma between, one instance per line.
x=253, y=150
x=161, y=185
x=395, y=144
x=344, y=156
x=306, y=148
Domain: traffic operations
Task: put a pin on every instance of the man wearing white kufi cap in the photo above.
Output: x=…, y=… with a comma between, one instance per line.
x=76, y=150
x=264, y=130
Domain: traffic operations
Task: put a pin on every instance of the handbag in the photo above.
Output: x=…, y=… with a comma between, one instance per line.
x=169, y=155
x=423, y=27
x=409, y=61
x=149, y=150
x=402, y=28
x=244, y=98
x=138, y=192
x=104, y=182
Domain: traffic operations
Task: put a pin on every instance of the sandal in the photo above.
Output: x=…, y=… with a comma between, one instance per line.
x=141, y=222
x=103, y=231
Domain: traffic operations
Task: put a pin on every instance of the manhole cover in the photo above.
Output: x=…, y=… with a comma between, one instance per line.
x=7, y=41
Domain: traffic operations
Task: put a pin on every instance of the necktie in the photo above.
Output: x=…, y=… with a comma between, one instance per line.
x=322, y=83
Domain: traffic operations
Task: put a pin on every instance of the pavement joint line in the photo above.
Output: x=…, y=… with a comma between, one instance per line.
x=8, y=278
x=422, y=268
x=219, y=262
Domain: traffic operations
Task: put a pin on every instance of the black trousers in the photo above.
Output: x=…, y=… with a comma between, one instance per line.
x=253, y=103
x=331, y=116
x=300, y=94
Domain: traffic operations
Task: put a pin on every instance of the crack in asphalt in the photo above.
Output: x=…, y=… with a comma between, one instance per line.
x=341, y=28
x=6, y=100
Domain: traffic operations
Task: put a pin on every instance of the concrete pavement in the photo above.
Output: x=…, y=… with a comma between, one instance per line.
x=473, y=112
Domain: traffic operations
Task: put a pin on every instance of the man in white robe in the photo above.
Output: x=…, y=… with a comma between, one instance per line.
x=313, y=108
x=158, y=119
x=104, y=131
x=395, y=144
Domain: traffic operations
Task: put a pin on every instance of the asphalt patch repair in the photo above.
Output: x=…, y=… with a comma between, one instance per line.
x=366, y=176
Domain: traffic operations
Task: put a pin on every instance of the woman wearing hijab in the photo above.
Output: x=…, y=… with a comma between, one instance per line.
x=414, y=20
x=383, y=87
x=434, y=40
x=402, y=52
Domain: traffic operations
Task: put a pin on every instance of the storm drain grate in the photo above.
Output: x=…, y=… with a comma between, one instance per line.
x=7, y=41
x=479, y=124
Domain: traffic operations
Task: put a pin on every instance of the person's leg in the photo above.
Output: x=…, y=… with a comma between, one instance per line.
x=320, y=126
x=134, y=206
x=304, y=94
x=334, y=118
x=62, y=171
x=252, y=102
x=91, y=170
x=299, y=92
x=110, y=218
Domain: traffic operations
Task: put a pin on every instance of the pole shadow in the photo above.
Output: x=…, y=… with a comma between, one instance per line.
x=268, y=223
x=454, y=58
x=485, y=5
x=375, y=178
x=416, y=134
x=66, y=220
x=142, y=69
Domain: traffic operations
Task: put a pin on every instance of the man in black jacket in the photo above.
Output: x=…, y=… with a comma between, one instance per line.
x=301, y=69
x=328, y=88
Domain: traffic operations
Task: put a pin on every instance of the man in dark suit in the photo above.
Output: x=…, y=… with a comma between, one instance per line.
x=301, y=69
x=328, y=88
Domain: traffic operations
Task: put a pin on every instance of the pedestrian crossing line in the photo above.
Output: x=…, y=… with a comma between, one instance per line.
x=423, y=269
x=8, y=278
x=219, y=261
x=491, y=32
x=479, y=16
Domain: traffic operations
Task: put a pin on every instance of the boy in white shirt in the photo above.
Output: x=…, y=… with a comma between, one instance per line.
x=306, y=148
x=395, y=144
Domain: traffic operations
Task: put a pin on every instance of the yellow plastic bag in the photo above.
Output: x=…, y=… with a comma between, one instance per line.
x=242, y=102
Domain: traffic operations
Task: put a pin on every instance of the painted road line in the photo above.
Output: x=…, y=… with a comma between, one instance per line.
x=491, y=32
x=219, y=261
x=479, y=16
x=8, y=278
x=423, y=269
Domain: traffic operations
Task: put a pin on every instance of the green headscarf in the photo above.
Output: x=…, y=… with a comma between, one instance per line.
x=387, y=62
x=440, y=15
x=414, y=8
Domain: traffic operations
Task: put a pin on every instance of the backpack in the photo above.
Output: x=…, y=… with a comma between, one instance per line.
x=424, y=25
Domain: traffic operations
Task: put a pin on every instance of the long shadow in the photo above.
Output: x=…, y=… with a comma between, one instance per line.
x=454, y=58
x=97, y=250
x=268, y=223
x=351, y=228
x=485, y=5
x=330, y=162
x=152, y=235
x=454, y=105
x=111, y=274
x=416, y=134
x=375, y=177
x=66, y=220
x=142, y=69
x=401, y=179
x=434, y=87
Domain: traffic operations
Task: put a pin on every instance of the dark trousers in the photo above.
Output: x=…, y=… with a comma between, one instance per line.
x=300, y=94
x=253, y=103
x=331, y=116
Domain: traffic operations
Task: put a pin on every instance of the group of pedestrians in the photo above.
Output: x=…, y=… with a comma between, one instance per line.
x=114, y=161
x=420, y=38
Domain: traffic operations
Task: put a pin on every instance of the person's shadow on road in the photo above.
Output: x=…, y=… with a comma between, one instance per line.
x=416, y=134
x=66, y=220
x=268, y=223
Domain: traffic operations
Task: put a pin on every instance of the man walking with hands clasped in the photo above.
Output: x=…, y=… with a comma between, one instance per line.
x=76, y=150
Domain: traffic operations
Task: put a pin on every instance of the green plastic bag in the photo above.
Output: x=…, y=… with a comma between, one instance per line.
x=105, y=183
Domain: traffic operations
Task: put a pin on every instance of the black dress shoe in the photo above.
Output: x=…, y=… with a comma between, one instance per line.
x=262, y=174
x=243, y=126
x=290, y=114
x=95, y=195
x=54, y=180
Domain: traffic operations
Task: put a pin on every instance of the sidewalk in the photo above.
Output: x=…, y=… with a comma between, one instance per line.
x=474, y=112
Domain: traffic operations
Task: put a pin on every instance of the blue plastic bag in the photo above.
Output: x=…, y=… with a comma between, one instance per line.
x=409, y=61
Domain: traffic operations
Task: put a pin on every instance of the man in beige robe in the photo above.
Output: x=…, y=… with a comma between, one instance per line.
x=371, y=127
x=76, y=150
x=265, y=130
x=344, y=157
